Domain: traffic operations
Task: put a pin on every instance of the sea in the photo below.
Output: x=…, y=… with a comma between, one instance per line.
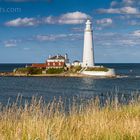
x=125, y=88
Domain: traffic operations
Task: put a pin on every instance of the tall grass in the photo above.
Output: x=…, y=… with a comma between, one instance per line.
x=41, y=121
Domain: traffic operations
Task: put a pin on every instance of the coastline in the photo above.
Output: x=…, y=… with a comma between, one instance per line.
x=75, y=75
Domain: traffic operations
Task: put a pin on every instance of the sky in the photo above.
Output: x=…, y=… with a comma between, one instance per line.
x=31, y=30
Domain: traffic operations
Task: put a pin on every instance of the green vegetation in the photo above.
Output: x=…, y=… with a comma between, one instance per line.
x=40, y=121
x=33, y=71
x=55, y=71
x=97, y=69
x=28, y=70
x=75, y=69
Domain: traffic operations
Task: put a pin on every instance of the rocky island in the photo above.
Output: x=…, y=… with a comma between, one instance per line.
x=59, y=65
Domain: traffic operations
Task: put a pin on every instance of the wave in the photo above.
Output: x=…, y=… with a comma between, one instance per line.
x=128, y=76
x=122, y=76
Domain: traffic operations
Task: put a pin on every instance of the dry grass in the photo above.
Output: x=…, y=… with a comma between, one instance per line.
x=40, y=121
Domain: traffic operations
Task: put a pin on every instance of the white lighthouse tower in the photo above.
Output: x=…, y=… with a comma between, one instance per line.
x=88, y=56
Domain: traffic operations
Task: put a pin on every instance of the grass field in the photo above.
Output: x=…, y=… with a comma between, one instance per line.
x=41, y=121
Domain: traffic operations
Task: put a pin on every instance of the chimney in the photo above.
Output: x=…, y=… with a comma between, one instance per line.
x=66, y=56
x=49, y=56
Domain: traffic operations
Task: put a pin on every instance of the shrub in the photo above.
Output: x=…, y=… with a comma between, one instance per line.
x=75, y=69
x=34, y=70
x=55, y=70
x=29, y=70
x=97, y=69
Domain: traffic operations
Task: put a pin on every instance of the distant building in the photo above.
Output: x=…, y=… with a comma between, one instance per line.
x=76, y=63
x=57, y=61
x=57, y=58
x=55, y=64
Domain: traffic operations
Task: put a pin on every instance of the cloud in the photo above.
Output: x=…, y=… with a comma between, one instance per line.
x=104, y=21
x=129, y=10
x=98, y=28
x=11, y=43
x=78, y=29
x=22, y=22
x=122, y=7
x=128, y=42
x=114, y=3
x=73, y=18
x=54, y=37
x=123, y=10
x=68, y=18
x=134, y=22
x=117, y=40
x=124, y=3
x=47, y=37
x=128, y=2
x=50, y=20
x=136, y=33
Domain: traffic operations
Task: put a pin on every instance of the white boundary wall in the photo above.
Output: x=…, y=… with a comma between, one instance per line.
x=110, y=72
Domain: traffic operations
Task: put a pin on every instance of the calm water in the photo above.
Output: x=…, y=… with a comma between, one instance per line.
x=125, y=87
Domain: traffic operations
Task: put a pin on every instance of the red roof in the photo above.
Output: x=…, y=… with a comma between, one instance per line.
x=39, y=65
